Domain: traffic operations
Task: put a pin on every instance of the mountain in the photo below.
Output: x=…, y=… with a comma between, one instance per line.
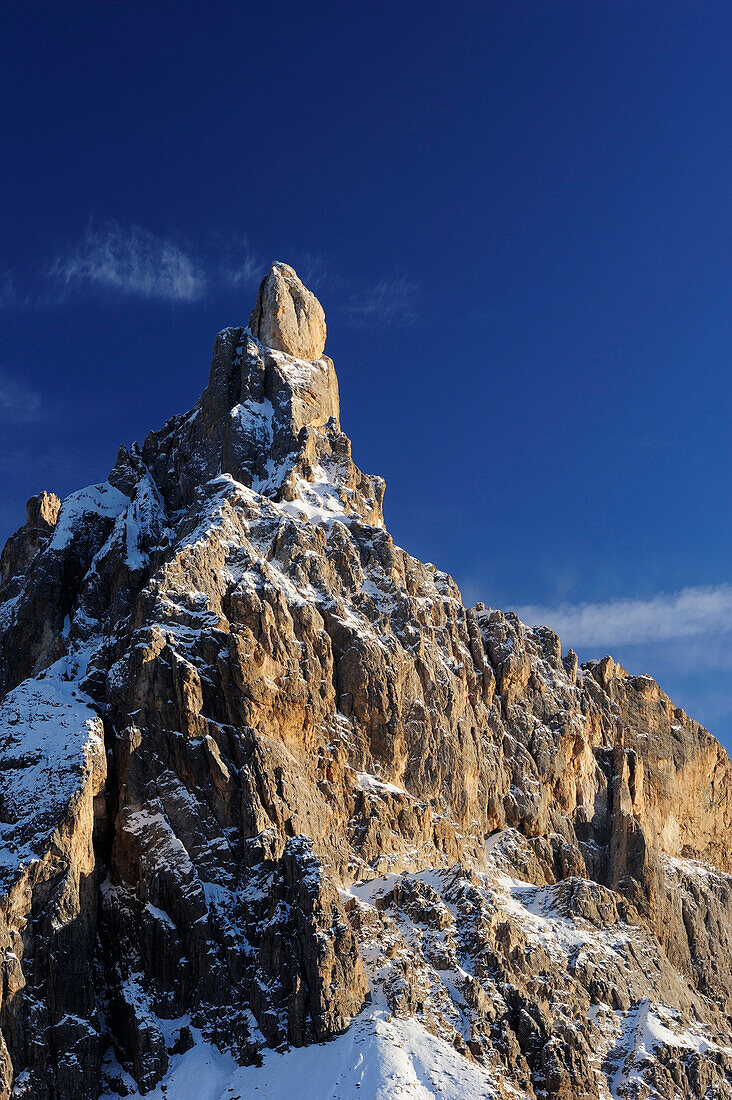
x=280, y=816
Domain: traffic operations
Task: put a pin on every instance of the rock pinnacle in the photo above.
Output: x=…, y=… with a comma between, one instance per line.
x=288, y=317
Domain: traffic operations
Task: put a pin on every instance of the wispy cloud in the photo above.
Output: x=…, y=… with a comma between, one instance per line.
x=18, y=402
x=243, y=266
x=688, y=613
x=247, y=274
x=240, y=265
x=390, y=301
x=131, y=261
x=317, y=273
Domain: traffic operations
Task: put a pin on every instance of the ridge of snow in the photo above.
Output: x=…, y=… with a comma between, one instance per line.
x=144, y=516
x=380, y=1057
x=102, y=500
x=318, y=501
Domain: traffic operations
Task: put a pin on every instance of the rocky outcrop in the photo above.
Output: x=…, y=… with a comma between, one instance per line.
x=559, y=989
x=287, y=316
x=51, y=800
x=669, y=756
x=21, y=548
x=312, y=976
x=292, y=707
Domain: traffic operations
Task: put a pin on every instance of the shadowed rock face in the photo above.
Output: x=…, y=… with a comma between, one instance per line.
x=21, y=548
x=230, y=705
x=287, y=317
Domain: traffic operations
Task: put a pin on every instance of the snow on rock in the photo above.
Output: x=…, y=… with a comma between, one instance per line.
x=302, y=374
x=638, y=1035
x=318, y=501
x=142, y=523
x=51, y=741
x=374, y=785
x=6, y=611
x=255, y=419
x=693, y=868
x=271, y=667
x=95, y=500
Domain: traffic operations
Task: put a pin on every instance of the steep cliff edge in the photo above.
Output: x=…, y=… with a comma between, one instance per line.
x=263, y=775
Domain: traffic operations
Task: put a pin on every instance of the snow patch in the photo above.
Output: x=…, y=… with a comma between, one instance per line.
x=100, y=500
x=255, y=420
x=50, y=739
x=373, y=785
x=380, y=1057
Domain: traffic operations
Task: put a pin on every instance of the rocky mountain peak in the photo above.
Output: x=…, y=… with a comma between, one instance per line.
x=269, y=417
x=264, y=779
x=287, y=316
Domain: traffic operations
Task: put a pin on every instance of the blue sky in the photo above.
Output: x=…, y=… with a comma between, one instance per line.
x=518, y=218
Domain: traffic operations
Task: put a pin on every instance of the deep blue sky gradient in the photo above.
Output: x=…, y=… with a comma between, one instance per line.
x=517, y=215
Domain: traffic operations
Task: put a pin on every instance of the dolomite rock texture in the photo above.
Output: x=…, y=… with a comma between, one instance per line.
x=287, y=317
x=266, y=780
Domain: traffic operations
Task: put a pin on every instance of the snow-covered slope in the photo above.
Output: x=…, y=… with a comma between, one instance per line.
x=51, y=741
x=380, y=1057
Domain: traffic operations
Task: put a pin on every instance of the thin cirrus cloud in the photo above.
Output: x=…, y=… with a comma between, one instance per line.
x=391, y=301
x=131, y=261
x=246, y=273
x=244, y=267
x=691, y=612
x=239, y=264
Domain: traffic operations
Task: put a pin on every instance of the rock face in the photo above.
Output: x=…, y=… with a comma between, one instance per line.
x=21, y=548
x=263, y=775
x=287, y=317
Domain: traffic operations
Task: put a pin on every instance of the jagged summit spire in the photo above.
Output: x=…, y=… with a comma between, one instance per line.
x=287, y=316
x=268, y=418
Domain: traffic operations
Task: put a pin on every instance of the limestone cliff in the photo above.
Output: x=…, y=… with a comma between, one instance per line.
x=266, y=780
